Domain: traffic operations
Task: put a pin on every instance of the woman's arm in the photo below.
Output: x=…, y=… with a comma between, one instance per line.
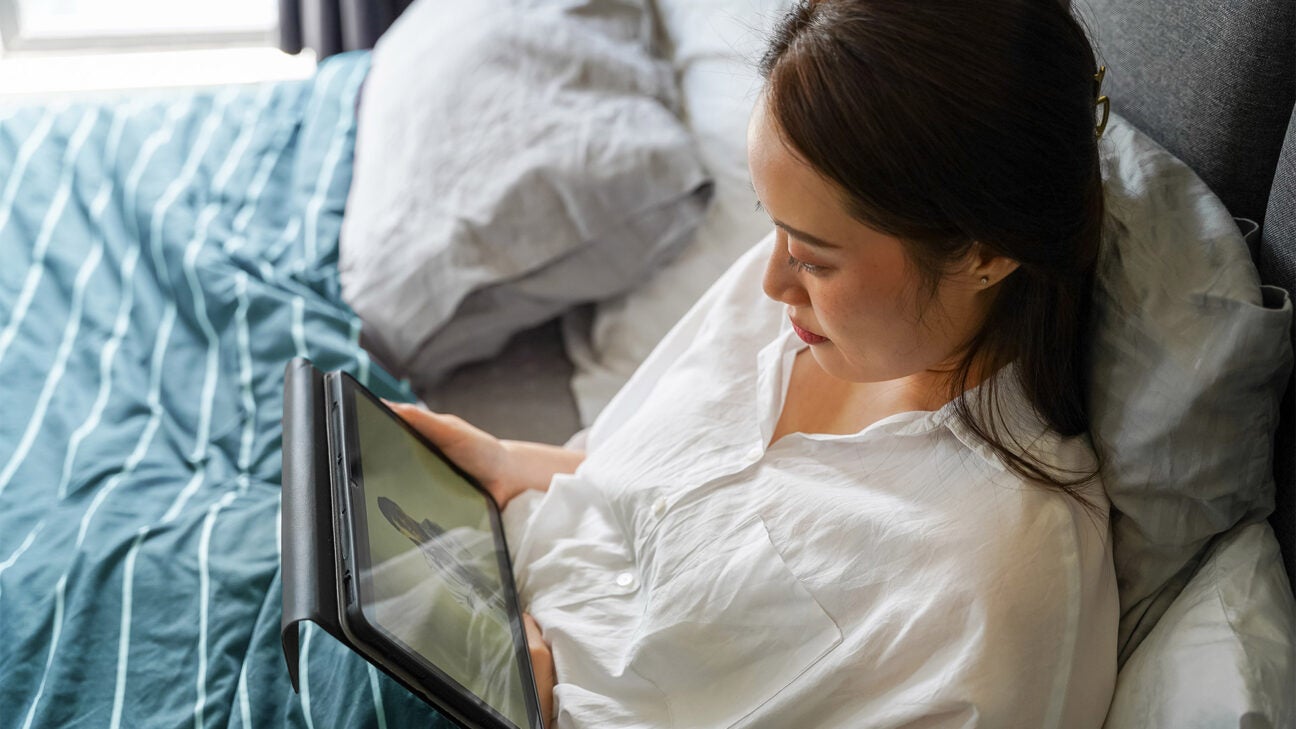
x=533, y=465
x=505, y=468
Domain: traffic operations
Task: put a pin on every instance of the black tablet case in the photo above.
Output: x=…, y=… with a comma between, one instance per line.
x=310, y=562
x=312, y=566
x=310, y=584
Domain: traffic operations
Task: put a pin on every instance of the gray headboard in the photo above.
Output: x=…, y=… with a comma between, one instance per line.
x=1214, y=82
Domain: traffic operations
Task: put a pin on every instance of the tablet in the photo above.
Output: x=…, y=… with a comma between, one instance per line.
x=425, y=585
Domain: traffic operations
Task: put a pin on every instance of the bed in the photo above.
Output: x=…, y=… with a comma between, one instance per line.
x=163, y=256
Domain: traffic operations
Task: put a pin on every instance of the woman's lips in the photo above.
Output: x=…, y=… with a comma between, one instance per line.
x=807, y=336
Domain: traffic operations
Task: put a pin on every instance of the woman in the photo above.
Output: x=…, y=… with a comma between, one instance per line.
x=866, y=497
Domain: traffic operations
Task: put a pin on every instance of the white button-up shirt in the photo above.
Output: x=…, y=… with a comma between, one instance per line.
x=691, y=575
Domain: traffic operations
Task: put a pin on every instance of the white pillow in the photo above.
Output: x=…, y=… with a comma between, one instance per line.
x=514, y=158
x=1190, y=357
x=1224, y=654
x=716, y=46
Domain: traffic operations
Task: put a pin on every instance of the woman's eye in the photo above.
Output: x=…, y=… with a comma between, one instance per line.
x=809, y=268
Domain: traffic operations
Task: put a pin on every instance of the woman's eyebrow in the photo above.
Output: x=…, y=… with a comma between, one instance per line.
x=800, y=235
x=805, y=237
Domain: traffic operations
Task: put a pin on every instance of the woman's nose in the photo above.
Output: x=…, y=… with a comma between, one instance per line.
x=780, y=282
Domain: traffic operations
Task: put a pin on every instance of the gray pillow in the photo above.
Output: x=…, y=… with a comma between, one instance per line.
x=1224, y=654
x=514, y=158
x=1190, y=358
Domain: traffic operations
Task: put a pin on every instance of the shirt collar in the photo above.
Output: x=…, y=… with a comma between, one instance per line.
x=1014, y=417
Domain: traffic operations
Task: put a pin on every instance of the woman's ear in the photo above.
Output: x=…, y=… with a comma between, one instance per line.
x=987, y=268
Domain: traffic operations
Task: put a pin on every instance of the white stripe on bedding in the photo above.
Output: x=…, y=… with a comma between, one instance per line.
x=186, y=493
x=379, y=711
x=120, y=114
x=260, y=178
x=245, y=707
x=245, y=379
x=26, y=544
x=130, y=193
x=239, y=148
x=23, y=547
x=204, y=584
x=204, y=597
x=184, y=179
x=56, y=371
x=244, y=216
x=106, y=358
x=219, y=185
x=123, y=642
x=182, y=182
x=276, y=249
x=108, y=355
x=29, y=146
x=190, y=266
x=146, y=437
x=52, y=217
x=304, y=666
x=346, y=117
x=59, y=595
x=299, y=325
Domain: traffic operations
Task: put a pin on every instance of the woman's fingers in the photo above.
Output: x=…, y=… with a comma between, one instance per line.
x=436, y=427
x=542, y=667
x=472, y=449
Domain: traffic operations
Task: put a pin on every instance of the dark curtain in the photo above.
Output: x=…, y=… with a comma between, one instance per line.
x=334, y=26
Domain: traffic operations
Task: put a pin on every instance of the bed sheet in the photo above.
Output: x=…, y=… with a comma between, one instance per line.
x=161, y=258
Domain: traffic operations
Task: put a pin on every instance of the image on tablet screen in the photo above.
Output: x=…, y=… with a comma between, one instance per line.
x=435, y=576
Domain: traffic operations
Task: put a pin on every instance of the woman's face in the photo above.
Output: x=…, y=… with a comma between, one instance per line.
x=851, y=291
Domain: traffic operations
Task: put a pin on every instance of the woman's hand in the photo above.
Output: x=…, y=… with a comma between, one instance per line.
x=474, y=450
x=505, y=468
x=542, y=667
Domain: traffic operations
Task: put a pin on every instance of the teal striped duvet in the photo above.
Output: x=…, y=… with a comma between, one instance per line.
x=160, y=260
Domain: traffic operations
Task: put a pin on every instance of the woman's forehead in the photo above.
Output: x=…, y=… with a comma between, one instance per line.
x=786, y=185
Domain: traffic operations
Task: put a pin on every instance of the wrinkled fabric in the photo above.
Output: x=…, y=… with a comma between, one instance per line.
x=1224, y=653
x=163, y=257
x=1190, y=356
x=514, y=159
x=691, y=574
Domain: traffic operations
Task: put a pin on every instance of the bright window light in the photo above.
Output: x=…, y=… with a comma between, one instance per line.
x=63, y=18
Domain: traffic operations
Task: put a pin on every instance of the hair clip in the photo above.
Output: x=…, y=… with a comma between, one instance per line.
x=1100, y=100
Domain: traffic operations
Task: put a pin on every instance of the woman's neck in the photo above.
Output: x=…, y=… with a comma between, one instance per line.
x=818, y=402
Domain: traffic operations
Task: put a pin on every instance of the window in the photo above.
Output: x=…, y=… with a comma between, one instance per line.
x=74, y=25
x=54, y=48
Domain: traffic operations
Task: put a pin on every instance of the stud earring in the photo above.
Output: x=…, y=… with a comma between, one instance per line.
x=985, y=280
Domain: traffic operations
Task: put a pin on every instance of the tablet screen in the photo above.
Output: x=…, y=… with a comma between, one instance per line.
x=431, y=579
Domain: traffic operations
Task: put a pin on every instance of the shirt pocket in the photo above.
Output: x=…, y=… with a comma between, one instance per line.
x=728, y=630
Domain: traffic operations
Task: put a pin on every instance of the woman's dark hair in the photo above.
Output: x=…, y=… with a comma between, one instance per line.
x=947, y=124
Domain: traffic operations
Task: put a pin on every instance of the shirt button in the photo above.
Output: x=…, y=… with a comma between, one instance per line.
x=625, y=580
x=659, y=507
x=755, y=454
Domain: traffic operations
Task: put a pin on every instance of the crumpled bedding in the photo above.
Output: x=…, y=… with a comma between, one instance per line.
x=162, y=258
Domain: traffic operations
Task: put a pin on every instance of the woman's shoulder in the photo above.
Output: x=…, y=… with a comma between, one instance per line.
x=1000, y=408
